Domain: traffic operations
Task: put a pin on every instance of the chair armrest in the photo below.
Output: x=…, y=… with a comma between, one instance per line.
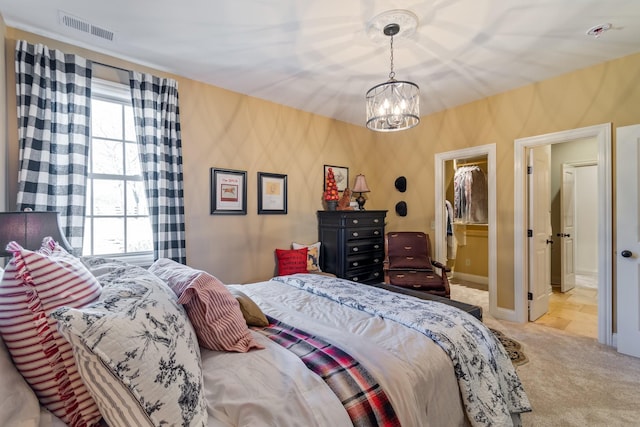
x=441, y=266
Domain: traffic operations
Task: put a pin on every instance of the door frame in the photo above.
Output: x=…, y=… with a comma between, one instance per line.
x=602, y=133
x=440, y=246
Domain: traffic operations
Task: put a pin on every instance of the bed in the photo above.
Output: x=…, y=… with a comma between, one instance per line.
x=331, y=353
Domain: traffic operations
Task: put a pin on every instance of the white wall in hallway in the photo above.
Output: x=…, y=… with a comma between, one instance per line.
x=587, y=220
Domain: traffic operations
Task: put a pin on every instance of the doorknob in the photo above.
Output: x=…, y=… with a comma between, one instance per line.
x=549, y=242
x=563, y=235
x=626, y=253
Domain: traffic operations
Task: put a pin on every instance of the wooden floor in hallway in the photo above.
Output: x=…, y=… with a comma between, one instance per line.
x=575, y=311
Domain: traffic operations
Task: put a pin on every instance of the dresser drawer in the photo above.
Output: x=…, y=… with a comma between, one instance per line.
x=363, y=233
x=360, y=246
x=364, y=221
x=351, y=219
x=365, y=275
x=355, y=262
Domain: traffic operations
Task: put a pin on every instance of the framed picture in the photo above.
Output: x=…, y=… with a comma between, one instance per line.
x=340, y=173
x=228, y=192
x=272, y=193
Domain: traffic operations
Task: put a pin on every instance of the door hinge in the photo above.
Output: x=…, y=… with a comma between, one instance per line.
x=529, y=170
x=529, y=296
x=529, y=233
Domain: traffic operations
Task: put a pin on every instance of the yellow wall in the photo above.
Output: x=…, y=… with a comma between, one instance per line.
x=228, y=130
x=472, y=255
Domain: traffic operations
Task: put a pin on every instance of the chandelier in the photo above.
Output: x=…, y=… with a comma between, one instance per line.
x=395, y=104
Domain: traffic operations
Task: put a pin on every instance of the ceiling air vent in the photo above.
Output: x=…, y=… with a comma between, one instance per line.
x=79, y=24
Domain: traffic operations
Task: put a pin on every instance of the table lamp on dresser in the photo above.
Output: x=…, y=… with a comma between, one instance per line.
x=360, y=186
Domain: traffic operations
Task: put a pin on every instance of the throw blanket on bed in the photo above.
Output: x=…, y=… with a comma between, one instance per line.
x=362, y=397
x=489, y=384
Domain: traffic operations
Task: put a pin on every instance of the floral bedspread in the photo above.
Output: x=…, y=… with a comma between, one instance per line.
x=490, y=387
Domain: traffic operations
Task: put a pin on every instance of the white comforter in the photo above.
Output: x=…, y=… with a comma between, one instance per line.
x=272, y=387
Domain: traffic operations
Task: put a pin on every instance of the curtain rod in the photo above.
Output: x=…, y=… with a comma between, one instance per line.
x=110, y=66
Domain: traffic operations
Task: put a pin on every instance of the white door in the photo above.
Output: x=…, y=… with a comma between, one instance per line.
x=540, y=230
x=628, y=239
x=567, y=229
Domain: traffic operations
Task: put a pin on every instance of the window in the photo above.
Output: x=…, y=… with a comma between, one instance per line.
x=117, y=216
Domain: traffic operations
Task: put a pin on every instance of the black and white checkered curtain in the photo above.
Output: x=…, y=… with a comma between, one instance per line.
x=157, y=120
x=53, y=96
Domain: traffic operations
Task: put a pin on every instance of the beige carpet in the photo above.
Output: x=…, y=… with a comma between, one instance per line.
x=570, y=380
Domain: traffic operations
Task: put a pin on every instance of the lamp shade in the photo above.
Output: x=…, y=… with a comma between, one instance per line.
x=29, y=228
x=360, y=186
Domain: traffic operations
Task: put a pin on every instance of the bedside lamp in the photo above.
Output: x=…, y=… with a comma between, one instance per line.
x=360, y=186
x=28, y=228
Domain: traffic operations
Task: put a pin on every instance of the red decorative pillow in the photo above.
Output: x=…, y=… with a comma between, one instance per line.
x=214, y=313
x=291, y=261
x=33, y=285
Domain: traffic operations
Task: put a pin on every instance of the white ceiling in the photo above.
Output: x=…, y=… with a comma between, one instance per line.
x=315, y=55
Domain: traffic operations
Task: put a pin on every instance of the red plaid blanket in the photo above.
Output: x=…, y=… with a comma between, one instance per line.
x=363, y=398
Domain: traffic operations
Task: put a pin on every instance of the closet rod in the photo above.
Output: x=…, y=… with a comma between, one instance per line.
x=458, y=163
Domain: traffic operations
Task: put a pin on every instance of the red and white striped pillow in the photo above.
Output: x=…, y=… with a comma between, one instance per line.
x=214, y=313
x=33, y=285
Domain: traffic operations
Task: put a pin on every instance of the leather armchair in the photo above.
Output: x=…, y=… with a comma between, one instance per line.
x=408, y=263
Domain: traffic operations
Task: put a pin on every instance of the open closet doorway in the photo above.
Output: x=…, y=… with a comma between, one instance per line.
x=444, y=171
x=600, y=136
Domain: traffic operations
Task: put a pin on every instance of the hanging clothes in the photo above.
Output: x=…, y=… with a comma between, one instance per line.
x=470, y=195
x=452, y=243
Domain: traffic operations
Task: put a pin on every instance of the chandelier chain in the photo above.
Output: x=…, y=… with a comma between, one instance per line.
x=392, y=74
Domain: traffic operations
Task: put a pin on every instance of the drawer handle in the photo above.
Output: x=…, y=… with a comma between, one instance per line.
x=354, y=234
x=355, y=249
x=376, y=260
x=355, y=221
x=355, y=264
x=376, y=247
x=376, y=274
x=376, y=232
x=400, y=276
x=376, y=220
x=355, y=279
x=409, y=257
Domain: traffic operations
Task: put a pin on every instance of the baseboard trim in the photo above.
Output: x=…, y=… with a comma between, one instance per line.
x=484, y=280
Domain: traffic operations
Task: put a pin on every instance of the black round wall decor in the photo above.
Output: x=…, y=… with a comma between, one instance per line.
x=401, y=184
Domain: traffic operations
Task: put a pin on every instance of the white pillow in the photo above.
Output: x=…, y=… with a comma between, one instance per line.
x=313, y=255
x=137, y=351
x=19, y=405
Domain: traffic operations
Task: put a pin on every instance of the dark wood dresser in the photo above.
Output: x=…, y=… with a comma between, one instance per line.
x=352, y=244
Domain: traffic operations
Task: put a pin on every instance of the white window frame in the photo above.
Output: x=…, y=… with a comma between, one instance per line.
x=116, y=92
